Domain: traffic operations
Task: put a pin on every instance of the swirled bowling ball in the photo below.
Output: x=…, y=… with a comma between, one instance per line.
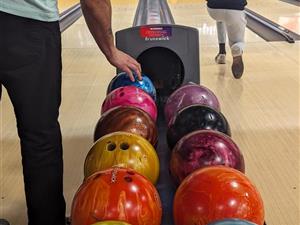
x=122, y=80
x=201, y=149
x=124, y=150
x=216, y=193
x=195, y=117
x=111, y=223
x=130, y=96
x=128, y=119
x=232, y=222
x=116, y=194
x=190, y=94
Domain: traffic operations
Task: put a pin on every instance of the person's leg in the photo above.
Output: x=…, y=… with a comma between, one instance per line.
x=221, y=29
x=218, y=15
x=236, y=26
x=30, y=60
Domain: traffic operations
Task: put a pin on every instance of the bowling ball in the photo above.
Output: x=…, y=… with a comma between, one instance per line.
x=201, y=149
x=116, y=194
x=130, y=96
x=189, y=94
x=216, y=193
x=232, y=222
x=195, y=117
x=122, y=80
x=111, y=223
x=125, y=150
x=128, y=119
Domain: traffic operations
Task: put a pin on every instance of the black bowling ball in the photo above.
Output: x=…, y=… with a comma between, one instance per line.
x=195, y=117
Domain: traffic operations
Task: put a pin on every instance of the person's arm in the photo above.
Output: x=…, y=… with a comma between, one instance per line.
x=97, y=14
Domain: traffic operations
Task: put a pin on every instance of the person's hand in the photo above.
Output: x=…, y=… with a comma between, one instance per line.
x=125, y=63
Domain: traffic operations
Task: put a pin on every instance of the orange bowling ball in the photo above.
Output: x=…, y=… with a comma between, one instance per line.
x=216, y=193
x=124, y=150
x=116, y=194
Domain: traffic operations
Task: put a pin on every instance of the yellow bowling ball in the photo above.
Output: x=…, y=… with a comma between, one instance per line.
x=123, y=149
x=111, y=223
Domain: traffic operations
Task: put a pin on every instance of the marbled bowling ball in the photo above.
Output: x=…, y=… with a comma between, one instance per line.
x=216, y=193
x=190, y=94
x=195, y=117
x=123, y=149
x=130, y=96
x=122, y=80
x=201, y=149
x=116, y=194
x=111, y=223
x=232, y=222
x=128, y=119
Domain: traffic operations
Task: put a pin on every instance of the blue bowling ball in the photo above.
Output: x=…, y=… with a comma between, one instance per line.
x=232, y=222
x=122, y=79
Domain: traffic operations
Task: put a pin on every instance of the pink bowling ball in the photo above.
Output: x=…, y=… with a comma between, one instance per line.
x=190, y=94
x=130, y=96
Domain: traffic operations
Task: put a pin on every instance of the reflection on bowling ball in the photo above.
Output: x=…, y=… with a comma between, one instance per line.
x=128, y=119
x=122, y=79
x=116, y=194
x=216, y=193
x=232, y=222
x=195, y=117
x=190, y=94
x=130, y=96
x=111, y=223
x=201, y=149
x=124, y=150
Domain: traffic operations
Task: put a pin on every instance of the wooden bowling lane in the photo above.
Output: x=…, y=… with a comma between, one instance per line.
x=262, y=108
x=281, y=12
x=66, y=4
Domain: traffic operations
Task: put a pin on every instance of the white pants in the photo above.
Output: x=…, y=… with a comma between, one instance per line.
x=234, y=22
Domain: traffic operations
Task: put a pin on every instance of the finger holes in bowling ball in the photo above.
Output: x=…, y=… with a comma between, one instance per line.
x=122, y=94
x=128, y=179
x=111, y=146
x=124, y=146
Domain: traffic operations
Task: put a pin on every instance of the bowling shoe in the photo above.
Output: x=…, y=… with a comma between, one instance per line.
x=237, y=67
x=220, y=58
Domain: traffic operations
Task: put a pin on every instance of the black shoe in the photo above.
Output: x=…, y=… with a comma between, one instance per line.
x=237, y=67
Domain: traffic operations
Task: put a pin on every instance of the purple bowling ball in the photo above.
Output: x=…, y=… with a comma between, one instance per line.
x=204, y=148
x=190, y=94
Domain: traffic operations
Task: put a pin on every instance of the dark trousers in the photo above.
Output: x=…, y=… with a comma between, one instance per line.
x=30, y=70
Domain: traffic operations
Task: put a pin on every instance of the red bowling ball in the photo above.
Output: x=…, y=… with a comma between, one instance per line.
x=216, y=193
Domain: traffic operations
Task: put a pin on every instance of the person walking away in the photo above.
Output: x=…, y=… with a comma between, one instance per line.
x=231, y=20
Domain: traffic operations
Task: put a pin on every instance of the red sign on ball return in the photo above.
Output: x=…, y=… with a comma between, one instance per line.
x=156, y=33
